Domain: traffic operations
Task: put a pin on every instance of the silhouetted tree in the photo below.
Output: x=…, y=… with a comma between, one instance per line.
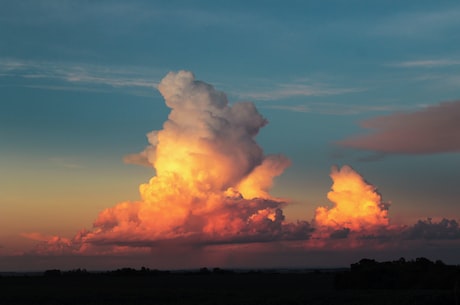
x=420, y=273
x=52, y=272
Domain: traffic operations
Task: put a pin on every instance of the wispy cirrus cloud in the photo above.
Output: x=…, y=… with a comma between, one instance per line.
x=435, y=73
x=421, y=23
x=293, y=108
x=335, y=108
x=66, y=76
x=283, y=91
x=427, y=63
x=69, y=76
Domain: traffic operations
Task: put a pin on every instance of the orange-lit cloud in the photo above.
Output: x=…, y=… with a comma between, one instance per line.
x=211, y=188
x=49, y=243
x=212, y=178
x=433, y=129
x=357, y=204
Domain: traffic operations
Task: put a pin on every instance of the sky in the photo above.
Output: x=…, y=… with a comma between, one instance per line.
x=255, y=134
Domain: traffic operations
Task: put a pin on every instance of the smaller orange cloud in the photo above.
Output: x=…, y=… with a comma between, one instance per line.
x=357, y=204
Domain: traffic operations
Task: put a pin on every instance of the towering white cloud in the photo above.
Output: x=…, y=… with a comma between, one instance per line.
x=212, y=178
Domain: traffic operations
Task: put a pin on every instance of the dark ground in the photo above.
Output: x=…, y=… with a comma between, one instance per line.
x=129, y=286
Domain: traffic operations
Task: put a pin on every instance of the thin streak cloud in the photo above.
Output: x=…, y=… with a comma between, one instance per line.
x=115, y=77
x=427, y=63
x=284, y=91
x=334, y=108
x=420, y=24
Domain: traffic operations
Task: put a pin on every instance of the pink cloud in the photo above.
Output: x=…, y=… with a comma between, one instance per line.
x=434, y=129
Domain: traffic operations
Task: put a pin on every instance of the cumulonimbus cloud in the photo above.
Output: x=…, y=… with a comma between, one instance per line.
x=211, y=187
x=211, y=183
x=434, y=129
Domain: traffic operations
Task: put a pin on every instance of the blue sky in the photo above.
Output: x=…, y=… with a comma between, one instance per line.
x=78, y=92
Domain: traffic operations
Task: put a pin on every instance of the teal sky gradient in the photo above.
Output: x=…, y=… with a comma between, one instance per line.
x=78, y=93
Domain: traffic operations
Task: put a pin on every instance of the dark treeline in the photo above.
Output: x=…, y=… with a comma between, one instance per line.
x=143, y=271
x=118, y=272
x=369, y=282
x=419, y=273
